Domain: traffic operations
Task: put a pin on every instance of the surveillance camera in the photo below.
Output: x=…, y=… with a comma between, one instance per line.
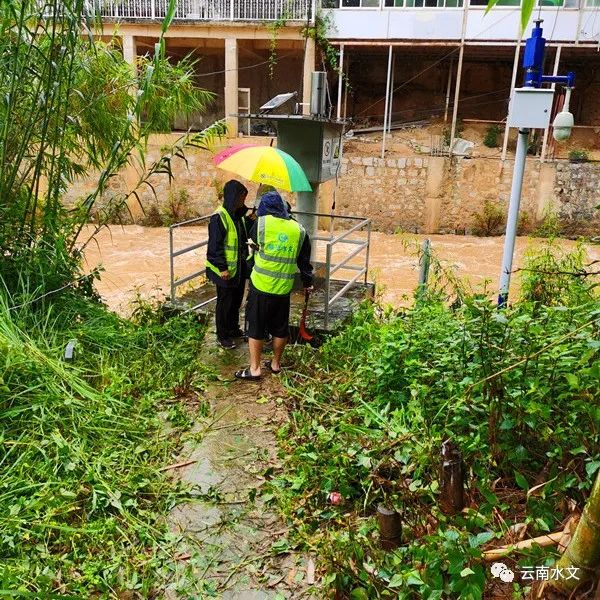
x=562, y=126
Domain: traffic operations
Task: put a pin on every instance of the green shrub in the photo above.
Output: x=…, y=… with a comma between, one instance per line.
x=515, y=389
x=491, y=136
x=579, y=155
x=490, y=221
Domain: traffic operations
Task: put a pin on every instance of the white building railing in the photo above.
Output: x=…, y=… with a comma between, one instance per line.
x=208, y=10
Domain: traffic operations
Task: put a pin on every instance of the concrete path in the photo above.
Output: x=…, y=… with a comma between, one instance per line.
x=232, y=545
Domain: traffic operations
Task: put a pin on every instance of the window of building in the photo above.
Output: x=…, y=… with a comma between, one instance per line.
x=424, y=3
x=330, y=3
x=563, y=3
x=499, y=3
x=358, y=4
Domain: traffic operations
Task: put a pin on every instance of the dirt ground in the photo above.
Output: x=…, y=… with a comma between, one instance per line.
x=407, y=142
x=137, y=258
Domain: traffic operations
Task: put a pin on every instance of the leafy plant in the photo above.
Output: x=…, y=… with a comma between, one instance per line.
x=446, y=131
x=579, y=155
x=70, y=104
x=491, y=136
x=490, y=221
x=513, y=389
x=83, y=502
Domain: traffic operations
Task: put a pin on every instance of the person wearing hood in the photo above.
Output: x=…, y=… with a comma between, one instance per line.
x=226, y=260
x=282, y=248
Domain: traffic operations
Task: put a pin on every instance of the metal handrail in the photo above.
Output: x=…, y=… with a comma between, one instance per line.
x=330, y=269
x=331, y=241
x=175, y=283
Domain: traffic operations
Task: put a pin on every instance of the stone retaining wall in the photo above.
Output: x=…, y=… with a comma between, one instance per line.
x=418, y=193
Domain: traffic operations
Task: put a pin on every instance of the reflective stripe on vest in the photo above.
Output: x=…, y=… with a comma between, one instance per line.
x=280, y=241
x=230, y=246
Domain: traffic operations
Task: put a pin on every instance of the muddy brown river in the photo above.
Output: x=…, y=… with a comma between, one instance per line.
x=136, y=258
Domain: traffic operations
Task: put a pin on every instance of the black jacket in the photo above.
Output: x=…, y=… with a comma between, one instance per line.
x=215, y=251
x=303, y=261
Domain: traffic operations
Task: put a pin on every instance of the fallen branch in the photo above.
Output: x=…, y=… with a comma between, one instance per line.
x=179, y=465
x=543, y=540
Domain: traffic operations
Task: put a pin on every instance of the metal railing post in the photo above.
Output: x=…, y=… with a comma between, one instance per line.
x=153, y=9
x=172, y=264
x=327, y=283
x=368, y=251
x=231, y=10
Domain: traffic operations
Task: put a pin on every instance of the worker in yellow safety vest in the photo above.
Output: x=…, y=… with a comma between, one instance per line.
x=226, y=260
x=281, y=250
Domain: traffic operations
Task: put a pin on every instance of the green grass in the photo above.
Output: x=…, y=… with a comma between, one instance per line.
x=82, y=502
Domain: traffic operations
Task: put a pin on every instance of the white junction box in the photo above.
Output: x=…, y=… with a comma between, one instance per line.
x=530, y=107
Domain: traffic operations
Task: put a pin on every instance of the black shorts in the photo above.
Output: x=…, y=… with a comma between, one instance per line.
x=267, y=314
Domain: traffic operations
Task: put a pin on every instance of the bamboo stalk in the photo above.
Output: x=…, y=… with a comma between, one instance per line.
x=583, y=553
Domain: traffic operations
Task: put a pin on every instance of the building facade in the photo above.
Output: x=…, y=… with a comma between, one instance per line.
x=402, y=60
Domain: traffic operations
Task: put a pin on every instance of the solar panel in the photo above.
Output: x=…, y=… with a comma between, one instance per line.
x=276, y=102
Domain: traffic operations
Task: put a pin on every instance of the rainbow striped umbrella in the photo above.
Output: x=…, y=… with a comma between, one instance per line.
x=264, y=164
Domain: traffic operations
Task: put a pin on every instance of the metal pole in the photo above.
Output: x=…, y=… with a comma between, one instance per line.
x=391, y=106
x=512, y=87
x=340, y=82
x=448, y=90
x=387, y=100
x=513, y=216
x=327, y=283
x=547, y=130
x=425, y=262
x=306, y=202
x=368, y=252
x=456, y=96
x=171, y=265
x=346, y=85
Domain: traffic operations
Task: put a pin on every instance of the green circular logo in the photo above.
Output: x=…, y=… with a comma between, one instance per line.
x=283, y=238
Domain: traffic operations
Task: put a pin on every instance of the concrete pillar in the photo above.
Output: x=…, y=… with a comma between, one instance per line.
x=546, y=202
x=130, y=49
x=309, y=67
x=231, y=85
x=434, y=193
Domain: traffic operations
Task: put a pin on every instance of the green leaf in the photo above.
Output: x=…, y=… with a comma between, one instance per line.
x=359, y=594
x=481, y=538
x=526, y=10
x=414, y=578
x=591, y=467
x=466, y=572
x=521, y=481
x=572, y=380
x=396, y=581
x=490, y=5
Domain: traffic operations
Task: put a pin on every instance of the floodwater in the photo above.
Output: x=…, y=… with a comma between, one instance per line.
x=136, y=259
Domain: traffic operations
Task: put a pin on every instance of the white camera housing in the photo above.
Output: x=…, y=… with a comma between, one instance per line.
x=562, y=126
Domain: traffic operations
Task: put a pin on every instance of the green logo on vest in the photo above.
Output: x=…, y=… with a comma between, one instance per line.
x=283, y=238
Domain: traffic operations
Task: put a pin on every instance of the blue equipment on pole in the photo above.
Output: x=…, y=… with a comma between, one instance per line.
x=526, y=111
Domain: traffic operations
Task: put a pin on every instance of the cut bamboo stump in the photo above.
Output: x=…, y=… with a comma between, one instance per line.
x=390, y=527
x=452, y=498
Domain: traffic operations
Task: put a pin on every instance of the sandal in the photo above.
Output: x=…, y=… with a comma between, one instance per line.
x=246, y=374
x=268, y=365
